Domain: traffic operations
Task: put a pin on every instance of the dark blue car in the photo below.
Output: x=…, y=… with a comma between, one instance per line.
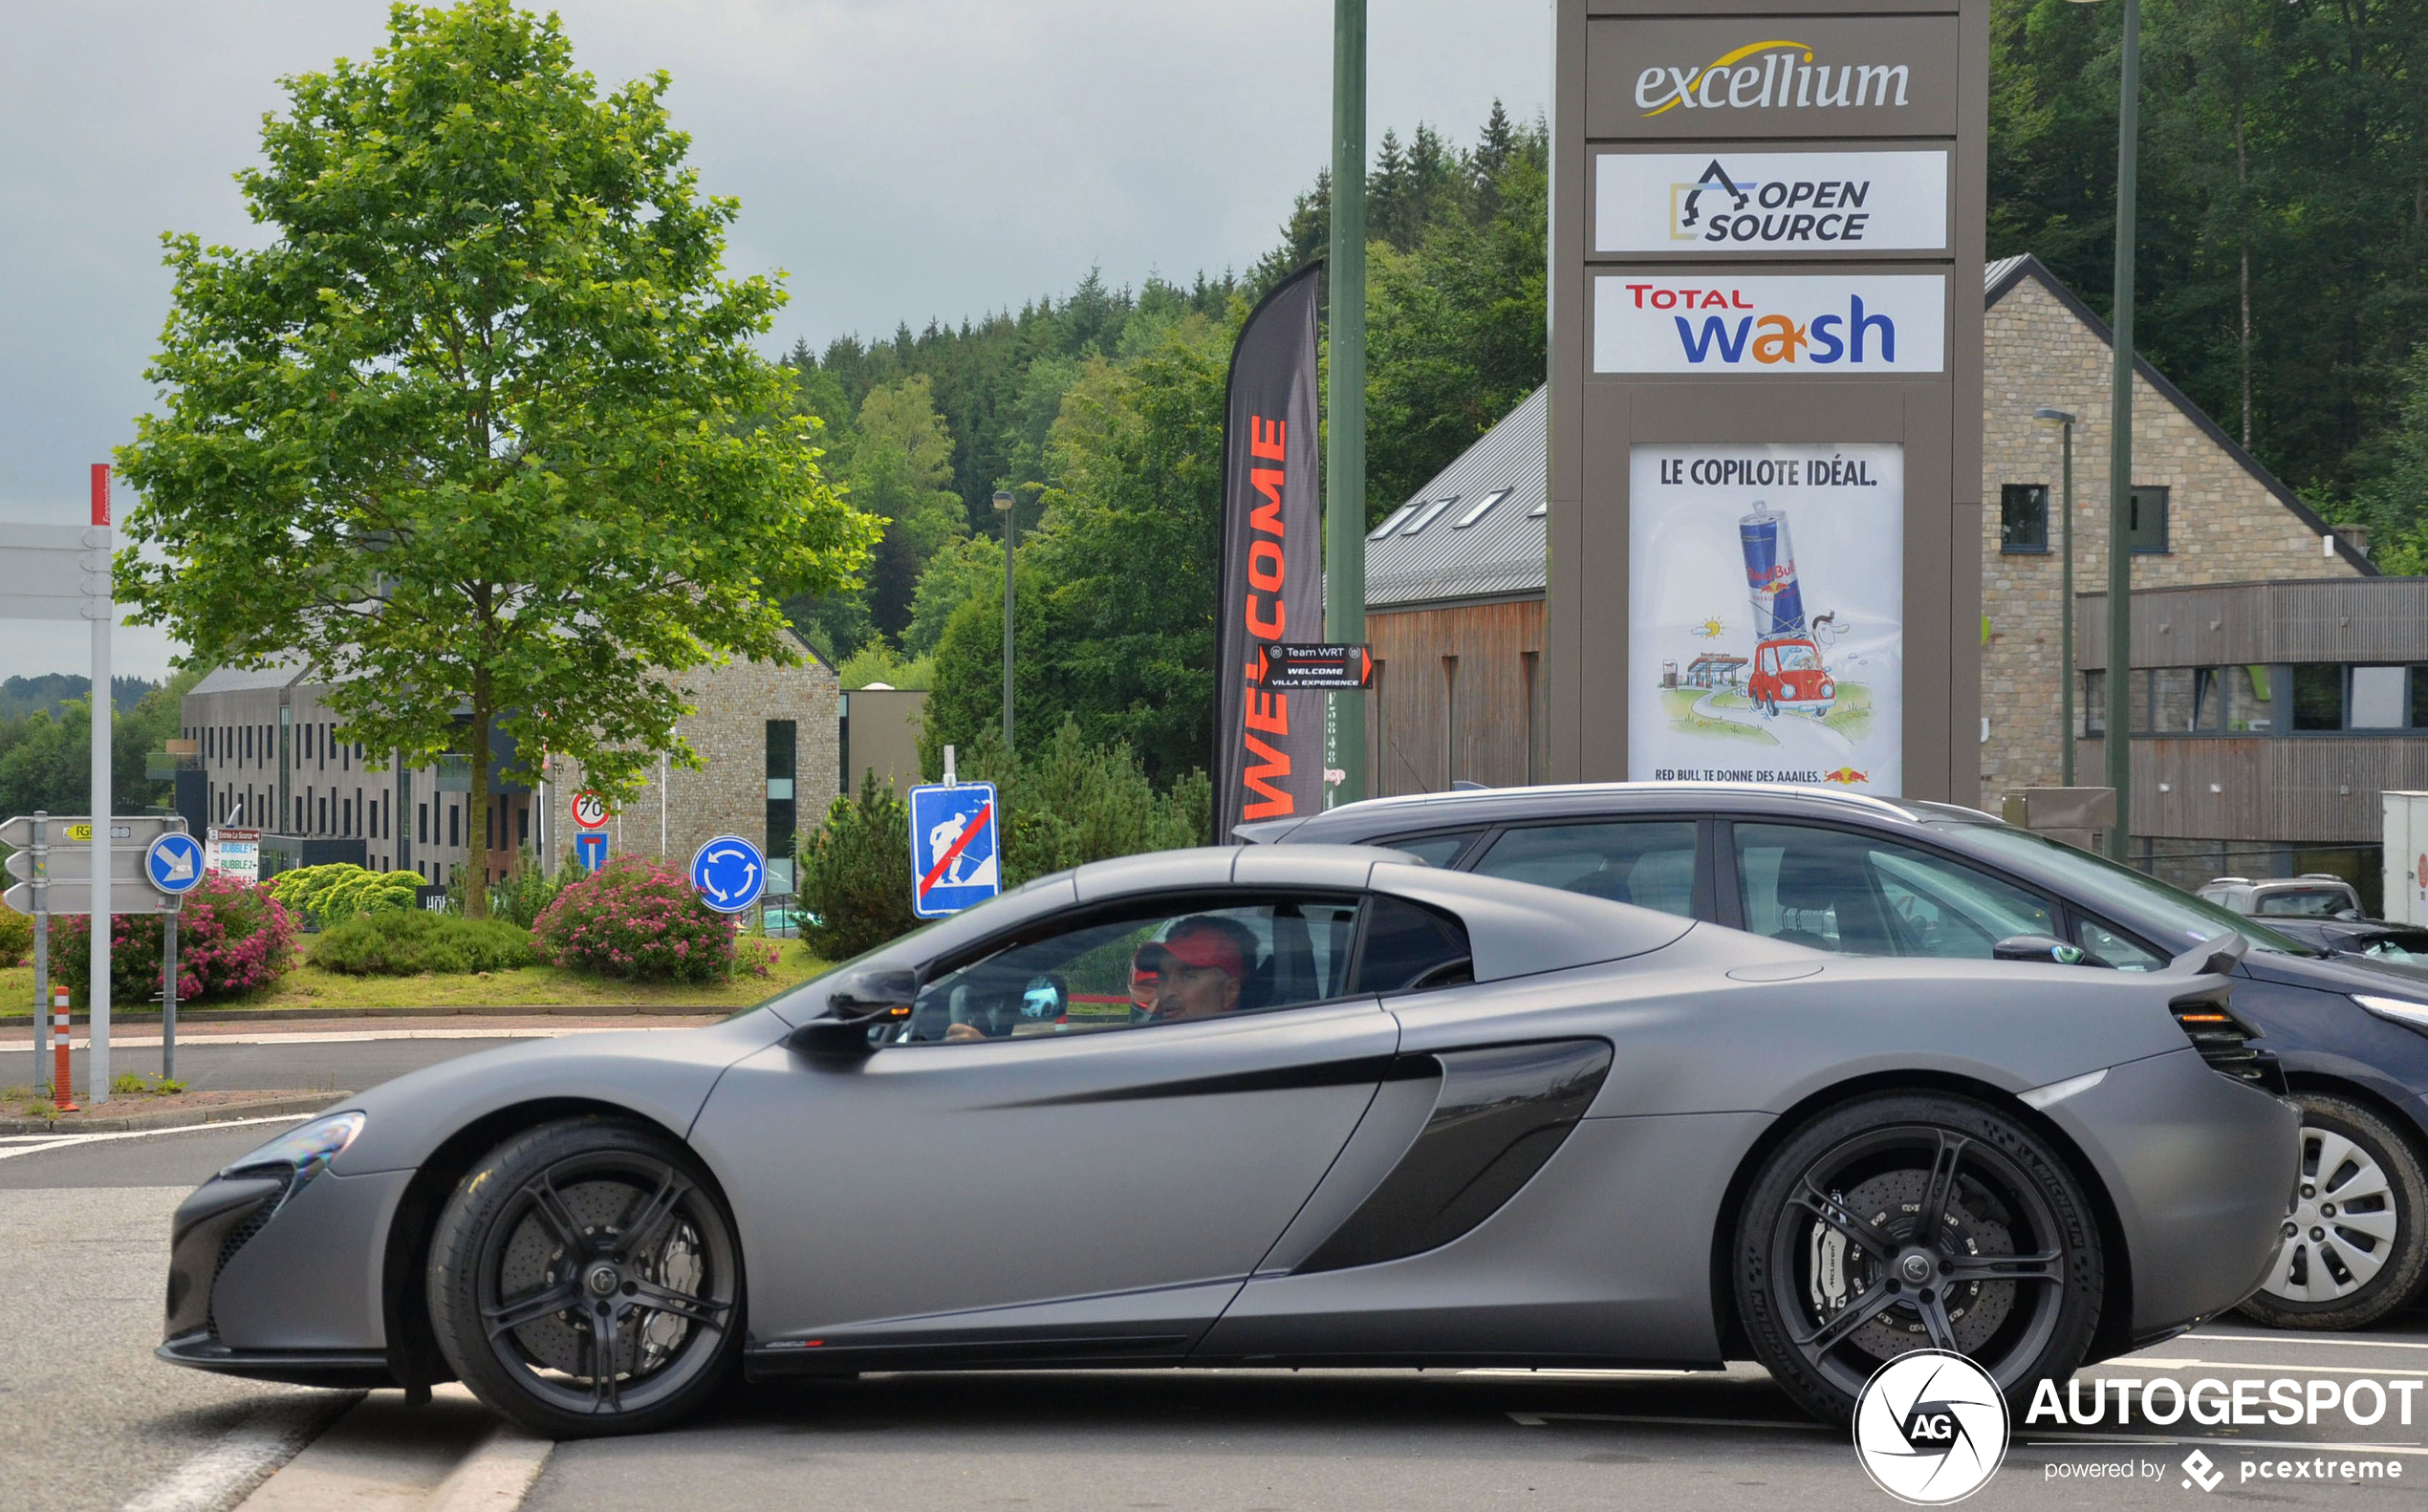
x=1879, y=877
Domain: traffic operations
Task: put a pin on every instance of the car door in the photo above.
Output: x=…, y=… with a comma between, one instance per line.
x=1045, y=1168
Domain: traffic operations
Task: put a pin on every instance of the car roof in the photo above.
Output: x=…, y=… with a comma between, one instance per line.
x=1484, y=805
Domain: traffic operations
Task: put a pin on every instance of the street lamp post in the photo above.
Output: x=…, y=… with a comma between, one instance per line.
x=1345, y=465
x=2117, y=744
x=1012, y=535
x=2066, y=615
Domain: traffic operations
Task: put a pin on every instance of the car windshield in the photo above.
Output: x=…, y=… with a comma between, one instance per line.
x=2182, y=920
x=1798, y=659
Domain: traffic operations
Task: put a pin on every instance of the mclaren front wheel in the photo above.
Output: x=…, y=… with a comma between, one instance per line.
x=585, y=1280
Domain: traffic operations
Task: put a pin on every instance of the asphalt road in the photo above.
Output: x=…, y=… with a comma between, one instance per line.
x=93, y=1419
x=209, y=1065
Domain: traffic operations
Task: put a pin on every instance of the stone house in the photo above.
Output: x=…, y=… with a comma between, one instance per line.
x=2206, y=511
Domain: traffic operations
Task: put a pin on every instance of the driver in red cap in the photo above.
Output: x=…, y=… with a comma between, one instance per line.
x=1193, y=972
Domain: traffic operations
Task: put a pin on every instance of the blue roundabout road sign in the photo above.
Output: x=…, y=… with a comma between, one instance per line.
x=728, y=874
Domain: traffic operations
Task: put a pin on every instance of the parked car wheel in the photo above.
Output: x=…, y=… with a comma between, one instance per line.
x=1914, y=1220
x=2354, y=1248
x=585, y=1280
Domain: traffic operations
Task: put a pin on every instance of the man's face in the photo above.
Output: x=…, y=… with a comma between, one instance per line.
x=1167, y=983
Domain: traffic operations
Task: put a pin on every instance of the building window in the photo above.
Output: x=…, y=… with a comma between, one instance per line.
x=422, y=824
x=2378, y=698
x=1449, y=721
x=455, y=824
x=784, y=741
x=2094, y=705
x=2023, y=518
x=2318, y=696
x=2148, y=529
x=1531, y=662
x=2249, y=706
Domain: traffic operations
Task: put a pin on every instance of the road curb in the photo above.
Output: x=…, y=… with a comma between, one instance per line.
x=178, y=1117
x=561, y=1010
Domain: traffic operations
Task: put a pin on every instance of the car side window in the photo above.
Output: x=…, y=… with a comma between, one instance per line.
x=1832, y=890
x=1408, y=948
x=2109, y=948
x=1649, y=863
x=1138, y=967
x=1433, y=849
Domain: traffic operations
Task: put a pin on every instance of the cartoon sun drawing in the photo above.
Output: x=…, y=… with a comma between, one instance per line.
x=1711, y=629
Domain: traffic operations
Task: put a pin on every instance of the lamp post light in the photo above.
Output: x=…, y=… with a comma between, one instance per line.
x=2117, y=744
x=2066, y=615
x=1012, y=534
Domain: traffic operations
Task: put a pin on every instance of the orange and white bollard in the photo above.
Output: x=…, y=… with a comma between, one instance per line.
x=62, y=1089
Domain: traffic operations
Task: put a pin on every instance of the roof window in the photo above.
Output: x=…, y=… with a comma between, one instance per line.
x=1478, y=509
x=1397, y=515
x=1539, y=511
x=1426, y=516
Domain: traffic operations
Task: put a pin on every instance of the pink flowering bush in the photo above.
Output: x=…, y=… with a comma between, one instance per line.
x=232, y=937
x=638, y=920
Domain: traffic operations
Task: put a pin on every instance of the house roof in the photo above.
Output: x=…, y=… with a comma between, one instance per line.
x=1421, y=555
x=243, y=680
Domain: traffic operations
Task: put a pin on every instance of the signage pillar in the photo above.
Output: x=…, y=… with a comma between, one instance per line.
x=1763, y=533
x=1345, y=468
x=41, y=849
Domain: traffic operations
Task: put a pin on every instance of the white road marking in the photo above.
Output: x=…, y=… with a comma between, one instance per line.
x=2303, y=1338
x=62, y=1141
x=244, y=1457
x=494, y=1477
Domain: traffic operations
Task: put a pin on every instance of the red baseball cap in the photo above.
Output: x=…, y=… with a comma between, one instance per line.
x=1202, y=944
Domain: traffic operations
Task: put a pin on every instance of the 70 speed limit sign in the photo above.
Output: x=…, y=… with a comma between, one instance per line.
x=590, y=810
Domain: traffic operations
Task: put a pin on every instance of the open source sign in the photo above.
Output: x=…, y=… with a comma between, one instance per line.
x=1770, y=202
x=1783, y=326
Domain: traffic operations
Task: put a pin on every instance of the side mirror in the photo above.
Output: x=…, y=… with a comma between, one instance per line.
x=2047, y=949
x=860, y=1000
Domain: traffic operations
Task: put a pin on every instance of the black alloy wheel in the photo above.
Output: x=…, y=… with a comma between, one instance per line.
x=1908, y=1222
x=2354, y=1248
x=585, y=1280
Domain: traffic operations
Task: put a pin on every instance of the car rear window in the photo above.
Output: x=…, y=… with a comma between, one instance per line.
x=1649, y=863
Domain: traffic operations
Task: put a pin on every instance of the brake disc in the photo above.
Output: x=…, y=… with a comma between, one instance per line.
x=1893, y=1201
x=535, y=1260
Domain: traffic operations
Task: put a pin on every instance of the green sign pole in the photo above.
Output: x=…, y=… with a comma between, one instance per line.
x=1345, y=459
x=2117, y=746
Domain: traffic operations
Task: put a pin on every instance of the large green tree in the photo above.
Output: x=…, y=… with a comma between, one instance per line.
x=480, y=431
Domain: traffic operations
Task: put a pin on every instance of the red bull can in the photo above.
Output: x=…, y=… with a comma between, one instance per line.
x=1771, y=573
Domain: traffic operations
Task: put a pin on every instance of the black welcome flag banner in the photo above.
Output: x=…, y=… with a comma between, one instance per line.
x=1269, y=746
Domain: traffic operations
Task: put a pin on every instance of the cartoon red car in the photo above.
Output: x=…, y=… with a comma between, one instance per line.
x=1788, y=674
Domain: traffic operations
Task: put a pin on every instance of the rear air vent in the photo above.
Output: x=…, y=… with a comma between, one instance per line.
x=2223, y=1039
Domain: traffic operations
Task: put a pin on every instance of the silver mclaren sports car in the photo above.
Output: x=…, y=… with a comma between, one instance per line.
x=1304, y=1105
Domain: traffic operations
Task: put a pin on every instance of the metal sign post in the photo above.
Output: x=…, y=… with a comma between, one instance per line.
x=173, y=864
x=41, y=853
x=103, y=614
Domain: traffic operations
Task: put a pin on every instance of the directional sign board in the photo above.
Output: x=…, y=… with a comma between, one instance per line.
x=590, y=810
x=173, y=864
x=590, y=848
x=729, y=872
x=956, y=861
x=69, y=865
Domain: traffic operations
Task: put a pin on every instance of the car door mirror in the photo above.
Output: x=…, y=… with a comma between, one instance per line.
x=2047, y=949
x=860, y=1000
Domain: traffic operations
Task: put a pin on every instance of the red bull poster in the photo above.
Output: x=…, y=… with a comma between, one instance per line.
x=1766, y=589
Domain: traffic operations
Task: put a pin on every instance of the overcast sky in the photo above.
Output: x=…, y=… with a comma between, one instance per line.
x=899, y=159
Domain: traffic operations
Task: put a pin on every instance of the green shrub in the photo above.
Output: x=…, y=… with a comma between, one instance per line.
x=17, y=937
x=638, y=920
x=406, y=944
x=331, y=893
x=854, y=873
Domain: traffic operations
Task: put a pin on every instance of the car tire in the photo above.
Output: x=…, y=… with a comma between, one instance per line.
x=583, y=1242
x=1830, y=1224
x=2354, y=1249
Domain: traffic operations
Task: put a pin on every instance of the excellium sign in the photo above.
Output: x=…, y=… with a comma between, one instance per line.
x=1814, y=325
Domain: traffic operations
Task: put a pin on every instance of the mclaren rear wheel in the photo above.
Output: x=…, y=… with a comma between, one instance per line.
x=584, y=1280
x=2352, y=1249
x=1908, y=1222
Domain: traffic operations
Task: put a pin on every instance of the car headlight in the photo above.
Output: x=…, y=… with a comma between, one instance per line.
x=306, y=1150
x=2410, y=1015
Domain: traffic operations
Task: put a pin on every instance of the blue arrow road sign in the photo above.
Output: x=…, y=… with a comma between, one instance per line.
x=955, y=861
x=590, y=848
x=174, y=863
x=728, y=874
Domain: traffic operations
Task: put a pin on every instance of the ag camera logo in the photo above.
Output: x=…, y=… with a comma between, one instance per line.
x=1930, y=1428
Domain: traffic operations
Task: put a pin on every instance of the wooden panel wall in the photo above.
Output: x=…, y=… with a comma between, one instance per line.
x=1459, y=693
x=2294, y=790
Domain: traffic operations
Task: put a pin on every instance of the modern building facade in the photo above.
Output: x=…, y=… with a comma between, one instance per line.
x=270, y=758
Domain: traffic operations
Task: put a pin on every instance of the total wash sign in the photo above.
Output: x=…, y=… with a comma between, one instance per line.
x=1814, y=325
